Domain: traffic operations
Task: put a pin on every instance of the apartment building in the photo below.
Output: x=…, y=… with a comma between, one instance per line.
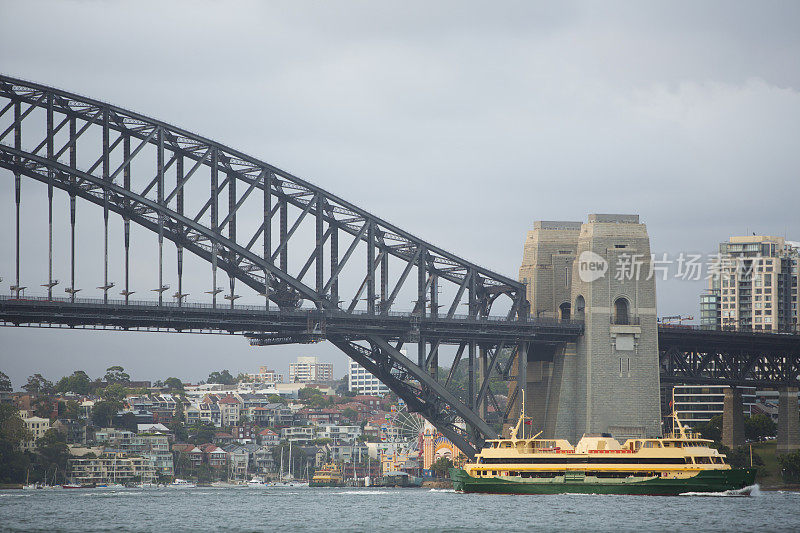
x=309, y=370
x=754, y=285
x=697, y=404
x=359, y=379
x=112, y=467
x=266, y=375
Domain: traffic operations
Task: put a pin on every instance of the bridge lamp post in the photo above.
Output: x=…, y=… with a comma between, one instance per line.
x=232, y=298
x=126, y=293
x=52, y=283
x=213, y=294
x=72, y=292
x=17, y=289
x=105, y=289
x=160, y=292
x=179, y=296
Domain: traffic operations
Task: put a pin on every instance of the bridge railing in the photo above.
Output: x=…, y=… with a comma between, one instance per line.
x=792, y=329
x=302, y=311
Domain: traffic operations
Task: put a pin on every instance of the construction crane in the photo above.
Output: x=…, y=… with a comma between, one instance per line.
x=675, y=319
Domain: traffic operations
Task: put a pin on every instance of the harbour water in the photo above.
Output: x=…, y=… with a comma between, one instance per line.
x=359, y=509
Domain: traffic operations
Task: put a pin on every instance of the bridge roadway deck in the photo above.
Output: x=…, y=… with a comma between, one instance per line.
x=278, y=325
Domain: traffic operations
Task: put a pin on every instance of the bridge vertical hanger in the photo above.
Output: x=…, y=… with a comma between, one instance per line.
x=320, y=249
x=434, y=303
x=126, y=220
x=267, y=235
x=179, y=246
x=334, y=262
x=214, y=224
x=384, y=278
x=50, y=198
x=73, y=163
x=232, y=232
x=283, y=258
x=371, y=268
x=105, y=206
x=160, y=200
x=17, y=183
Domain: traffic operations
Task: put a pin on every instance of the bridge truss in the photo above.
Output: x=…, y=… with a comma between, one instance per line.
x=294, y=244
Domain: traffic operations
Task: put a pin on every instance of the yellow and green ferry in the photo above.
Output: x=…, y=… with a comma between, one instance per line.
x=329, y=475
x=679, y=463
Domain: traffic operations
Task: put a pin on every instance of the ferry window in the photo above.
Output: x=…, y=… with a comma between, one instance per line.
x=703, y=460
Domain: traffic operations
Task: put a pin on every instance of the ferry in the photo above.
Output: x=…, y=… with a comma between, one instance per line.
x=329, y=475
x=679, y=463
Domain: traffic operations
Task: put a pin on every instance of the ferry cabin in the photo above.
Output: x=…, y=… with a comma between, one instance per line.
x=599, y=456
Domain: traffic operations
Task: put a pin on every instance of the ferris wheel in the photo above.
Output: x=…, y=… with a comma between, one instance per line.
x=406, y=427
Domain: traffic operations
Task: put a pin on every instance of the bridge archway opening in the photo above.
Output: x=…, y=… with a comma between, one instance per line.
x=580, y=308
x=621, y=311
x=564, y=311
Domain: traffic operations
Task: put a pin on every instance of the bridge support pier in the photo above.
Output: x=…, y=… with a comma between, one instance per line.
x=733, y=418
x=788, y=422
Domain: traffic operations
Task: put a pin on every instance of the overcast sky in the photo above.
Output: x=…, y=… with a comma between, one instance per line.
x=461, y=122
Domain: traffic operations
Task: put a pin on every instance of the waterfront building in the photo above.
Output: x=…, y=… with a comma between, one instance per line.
x=111, y=467
x=299, y=434
x=309, y=370
x=754, y=285
x=37, y=427
x=359, y=379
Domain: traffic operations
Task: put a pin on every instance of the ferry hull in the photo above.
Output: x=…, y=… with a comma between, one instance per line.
x=704, y=481
x=313, y=483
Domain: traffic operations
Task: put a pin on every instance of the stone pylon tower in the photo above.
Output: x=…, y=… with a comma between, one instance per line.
x=608, y=381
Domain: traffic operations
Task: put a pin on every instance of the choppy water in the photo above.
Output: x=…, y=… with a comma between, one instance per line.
x=295, y=509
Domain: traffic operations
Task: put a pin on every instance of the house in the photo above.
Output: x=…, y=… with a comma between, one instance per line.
x=74, y=431
x=191, y=452
x=264, y=462
x=299, y=434
x=373, y=402
x=37, y=427
x=229, y=409
x=215, y=457
x=221, y=437
x=267, y=437
x=338, y=434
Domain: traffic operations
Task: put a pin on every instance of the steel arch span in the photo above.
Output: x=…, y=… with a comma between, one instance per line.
x=271, y=232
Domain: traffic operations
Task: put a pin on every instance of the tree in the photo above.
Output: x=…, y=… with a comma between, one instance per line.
x=306, y=393
x=790, y=466
x=115, y=392
x=277, y=398
x=103, y=412
x=712, y=429
x=442, y=466
x=202, y=433
x=350, y=414
x=42, y=407
x=116, y=374
x=38, y=385
x=223, y=378
x=13, y=462
x=128, y=421
x=52, y=452
x=173, y=384
x=5, y=383
x=69, y=409
x=79, y=383
x=757, y=427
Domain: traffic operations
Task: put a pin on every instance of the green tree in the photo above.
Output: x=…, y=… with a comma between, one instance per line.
x=52, y=453
x=223, y=378
x=442, y=466
x=5, y=383
x=712, y=429
x=116, y=374
x=103, y=412
x=306, y=393
x=757, y=427
x=128, y=421
x=42, y=407
x=173, y=384
x=350, y=414
x=202, y=433
x=277, y=398
x=115, y=392
x=79, y=383
x=13, y=462
x=790, y=466
x=69, y=409
x=38, y=385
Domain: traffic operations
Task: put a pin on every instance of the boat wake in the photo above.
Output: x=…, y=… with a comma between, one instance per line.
x=365, y=492
x=752, y=490
x=442, y=490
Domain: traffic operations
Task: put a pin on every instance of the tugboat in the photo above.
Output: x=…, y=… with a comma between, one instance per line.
x=329, y=475
x=679, y=463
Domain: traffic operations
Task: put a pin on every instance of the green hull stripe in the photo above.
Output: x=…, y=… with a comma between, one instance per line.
x=704, y=481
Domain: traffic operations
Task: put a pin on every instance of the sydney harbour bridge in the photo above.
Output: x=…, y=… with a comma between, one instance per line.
x=324, y=268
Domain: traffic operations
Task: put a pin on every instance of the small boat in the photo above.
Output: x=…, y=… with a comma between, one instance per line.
x=78, y=486
x=400, y=479
x=256, y=482
x=182, y=483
